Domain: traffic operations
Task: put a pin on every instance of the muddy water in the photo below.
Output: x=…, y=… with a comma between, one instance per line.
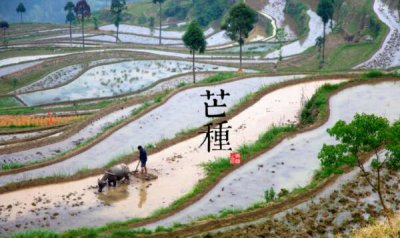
x=77, y=204
x=183, y=111
x=293, y=162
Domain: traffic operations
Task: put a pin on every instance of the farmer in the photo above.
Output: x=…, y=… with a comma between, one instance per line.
x=143, y=159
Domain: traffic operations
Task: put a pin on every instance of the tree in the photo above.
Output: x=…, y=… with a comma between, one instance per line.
x=160, y=2
x=195, y=40
x=366, y=133
x=239, y=23
x=82, y=11
x=151, y=25
x=4, y=25
x=117, y=6
x=280, y=37
x=95, y=23
x=325, y=11
x=69, y=8
x=21, y=9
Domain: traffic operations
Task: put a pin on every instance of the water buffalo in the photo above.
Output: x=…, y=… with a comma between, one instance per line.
x=113, y=175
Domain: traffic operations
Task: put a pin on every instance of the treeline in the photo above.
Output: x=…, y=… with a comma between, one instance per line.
x=204, y=11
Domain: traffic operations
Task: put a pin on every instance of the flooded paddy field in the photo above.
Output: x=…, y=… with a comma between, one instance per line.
x=63, y=205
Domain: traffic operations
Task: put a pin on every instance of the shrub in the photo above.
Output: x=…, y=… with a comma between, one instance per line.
x=269, y=195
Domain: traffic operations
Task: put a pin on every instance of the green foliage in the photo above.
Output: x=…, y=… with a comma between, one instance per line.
x=9, y=102
x=264, y=141
x=82, y=10
x=9, y=166
x=240, y=22
x=207, y=11
x=117, y=6
x=218, y=77
x=283, y=193
x=21, y=8
x=298, y=11
x=4, y=25
x=194, y=38
x=36, y=234
x=181, y=84
x=177, y=8
x=269, y=195
x=69, y=6
x=373, y=74
x=374, y=26
x=316, y=107
x=325, y=10
x=70, y=17
x=393, y=146
x=364, y=134
x=281, y=38
x=95, y=23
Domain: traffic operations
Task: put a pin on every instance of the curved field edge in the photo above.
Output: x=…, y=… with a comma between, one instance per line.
x=223, y=168
x=148, y=103
x=247, y=102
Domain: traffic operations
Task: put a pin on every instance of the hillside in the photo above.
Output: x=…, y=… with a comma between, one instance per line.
x=44, y=10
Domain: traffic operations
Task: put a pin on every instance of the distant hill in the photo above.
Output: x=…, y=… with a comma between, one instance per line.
x=44, y=10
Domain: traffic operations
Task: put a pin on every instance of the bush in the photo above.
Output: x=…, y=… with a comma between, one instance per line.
x=284, y=192
x=269, y=195
x=373, y=74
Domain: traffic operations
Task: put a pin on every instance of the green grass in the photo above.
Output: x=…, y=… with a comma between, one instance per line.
x=218, y=77
x=9, y=102
x=78, y=107
x=8, y=166
x=317, y=107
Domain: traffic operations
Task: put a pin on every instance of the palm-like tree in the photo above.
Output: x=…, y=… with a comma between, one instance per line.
x=160, y=2
x=21, y=9
x=69, y=8
x=117, y=6
x=4, y=25
x=82, y=11
x=325, y=11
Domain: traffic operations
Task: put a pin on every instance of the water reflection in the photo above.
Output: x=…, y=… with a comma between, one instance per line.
x=114, y=194
x=142, y=194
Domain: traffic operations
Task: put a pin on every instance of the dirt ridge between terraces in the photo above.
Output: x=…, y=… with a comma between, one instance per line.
x=44, y=181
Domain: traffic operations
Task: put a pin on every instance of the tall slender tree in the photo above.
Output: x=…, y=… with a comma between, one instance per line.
x=160, y=2
x=281, y=38
x=195, y=40
x=325, y=11
x=239, y=24
x=4, y=25
x=21, y=9
x=82, y=11
x=117, y=6
x=69, y=8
